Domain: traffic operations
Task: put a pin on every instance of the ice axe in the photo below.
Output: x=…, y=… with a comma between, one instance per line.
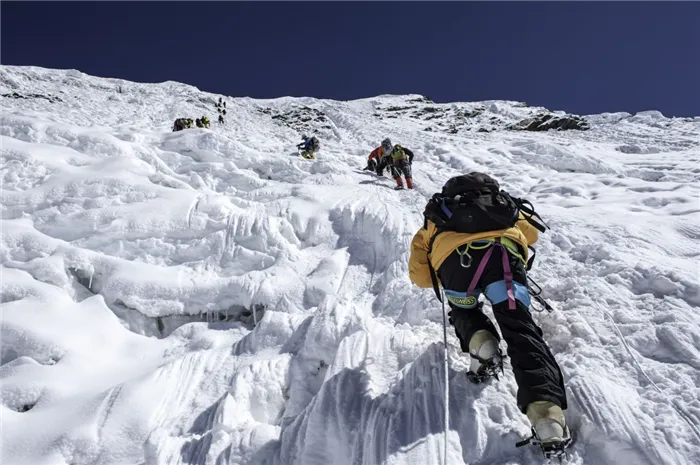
x=535, y=290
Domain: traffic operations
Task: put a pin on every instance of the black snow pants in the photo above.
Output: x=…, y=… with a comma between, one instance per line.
x=402, y=167
x=382, y=164
x=537, y=373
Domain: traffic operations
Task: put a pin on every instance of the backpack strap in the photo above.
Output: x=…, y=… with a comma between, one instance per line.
x=529, y=212
x=433, y=274
x=531, y=260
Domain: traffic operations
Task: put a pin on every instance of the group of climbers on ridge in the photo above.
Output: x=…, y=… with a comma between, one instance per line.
x=397, y=158
x=187, y=123
x=221, y=109
x=203, y=122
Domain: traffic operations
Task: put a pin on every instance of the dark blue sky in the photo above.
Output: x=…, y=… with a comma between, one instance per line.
x=585, y=57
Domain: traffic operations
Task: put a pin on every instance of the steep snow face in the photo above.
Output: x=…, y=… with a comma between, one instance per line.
x=136, y=263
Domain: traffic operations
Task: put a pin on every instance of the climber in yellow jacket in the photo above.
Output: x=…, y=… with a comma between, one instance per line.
x=475, y=240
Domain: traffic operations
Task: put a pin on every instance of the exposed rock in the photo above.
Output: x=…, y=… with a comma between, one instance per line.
x=397, y=108
x=474, y=113
x=302, y=119
x=50, y=98
x=546, y=121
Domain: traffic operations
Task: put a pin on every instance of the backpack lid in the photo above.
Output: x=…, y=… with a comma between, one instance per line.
x=471, y=182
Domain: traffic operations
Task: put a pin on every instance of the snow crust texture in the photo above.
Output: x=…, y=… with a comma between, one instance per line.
x=209, y=297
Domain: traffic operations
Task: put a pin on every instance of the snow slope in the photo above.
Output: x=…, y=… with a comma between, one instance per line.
x=136, y=262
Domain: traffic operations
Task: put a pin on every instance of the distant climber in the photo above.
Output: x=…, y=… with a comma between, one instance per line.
x=221, y=119
x=475, y=240
x=381, y=157
x=401, y=164
x=205, y=122
x=309, y=147
x=198, y=122
x=220, y=106
x=376, y=160
x=180, y=124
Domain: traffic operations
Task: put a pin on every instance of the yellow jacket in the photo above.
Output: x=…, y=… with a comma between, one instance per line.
x=523, y=233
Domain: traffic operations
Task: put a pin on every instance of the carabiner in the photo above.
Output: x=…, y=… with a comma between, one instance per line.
x=462, y=255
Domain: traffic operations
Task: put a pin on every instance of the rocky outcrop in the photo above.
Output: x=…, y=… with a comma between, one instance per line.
x=50, y=98
x=302, y=119
x=547, y=121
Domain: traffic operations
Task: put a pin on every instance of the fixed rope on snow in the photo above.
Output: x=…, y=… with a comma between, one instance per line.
x=674, y=405
x=446, y=368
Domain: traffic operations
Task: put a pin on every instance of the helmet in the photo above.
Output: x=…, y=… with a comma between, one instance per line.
x=386, y=145
x=304, y=136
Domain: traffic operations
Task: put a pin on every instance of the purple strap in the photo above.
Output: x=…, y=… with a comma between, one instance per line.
x=479, y=271
x=507, y=274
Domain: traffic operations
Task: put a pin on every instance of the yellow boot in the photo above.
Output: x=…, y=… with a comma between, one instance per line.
x=548, y=421
x=487, y=359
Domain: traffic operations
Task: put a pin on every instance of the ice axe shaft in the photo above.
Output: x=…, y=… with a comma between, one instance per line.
x=535, y=290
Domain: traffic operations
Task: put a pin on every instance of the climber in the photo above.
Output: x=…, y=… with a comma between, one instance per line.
x=475, y=240
x=380, y=157
x=309, y=147
x=401, y=164
x=180, y=124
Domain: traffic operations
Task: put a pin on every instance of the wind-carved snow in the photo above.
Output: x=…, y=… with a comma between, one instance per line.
x=136, y=261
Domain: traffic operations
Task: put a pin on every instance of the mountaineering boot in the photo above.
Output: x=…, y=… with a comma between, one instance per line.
x=487, y=359
x=399, y=184
x=409, y=183
x=549, y=427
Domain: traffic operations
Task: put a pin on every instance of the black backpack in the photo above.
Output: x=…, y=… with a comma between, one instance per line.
x=474, y=203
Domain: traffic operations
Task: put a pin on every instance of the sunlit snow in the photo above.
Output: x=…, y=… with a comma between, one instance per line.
x=136, y=261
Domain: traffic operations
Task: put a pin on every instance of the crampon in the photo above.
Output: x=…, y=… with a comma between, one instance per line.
x=488, y=369
x=550, y=450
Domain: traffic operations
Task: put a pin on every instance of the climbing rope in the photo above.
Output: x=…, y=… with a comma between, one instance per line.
x=446, y=368
x=675, y=406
